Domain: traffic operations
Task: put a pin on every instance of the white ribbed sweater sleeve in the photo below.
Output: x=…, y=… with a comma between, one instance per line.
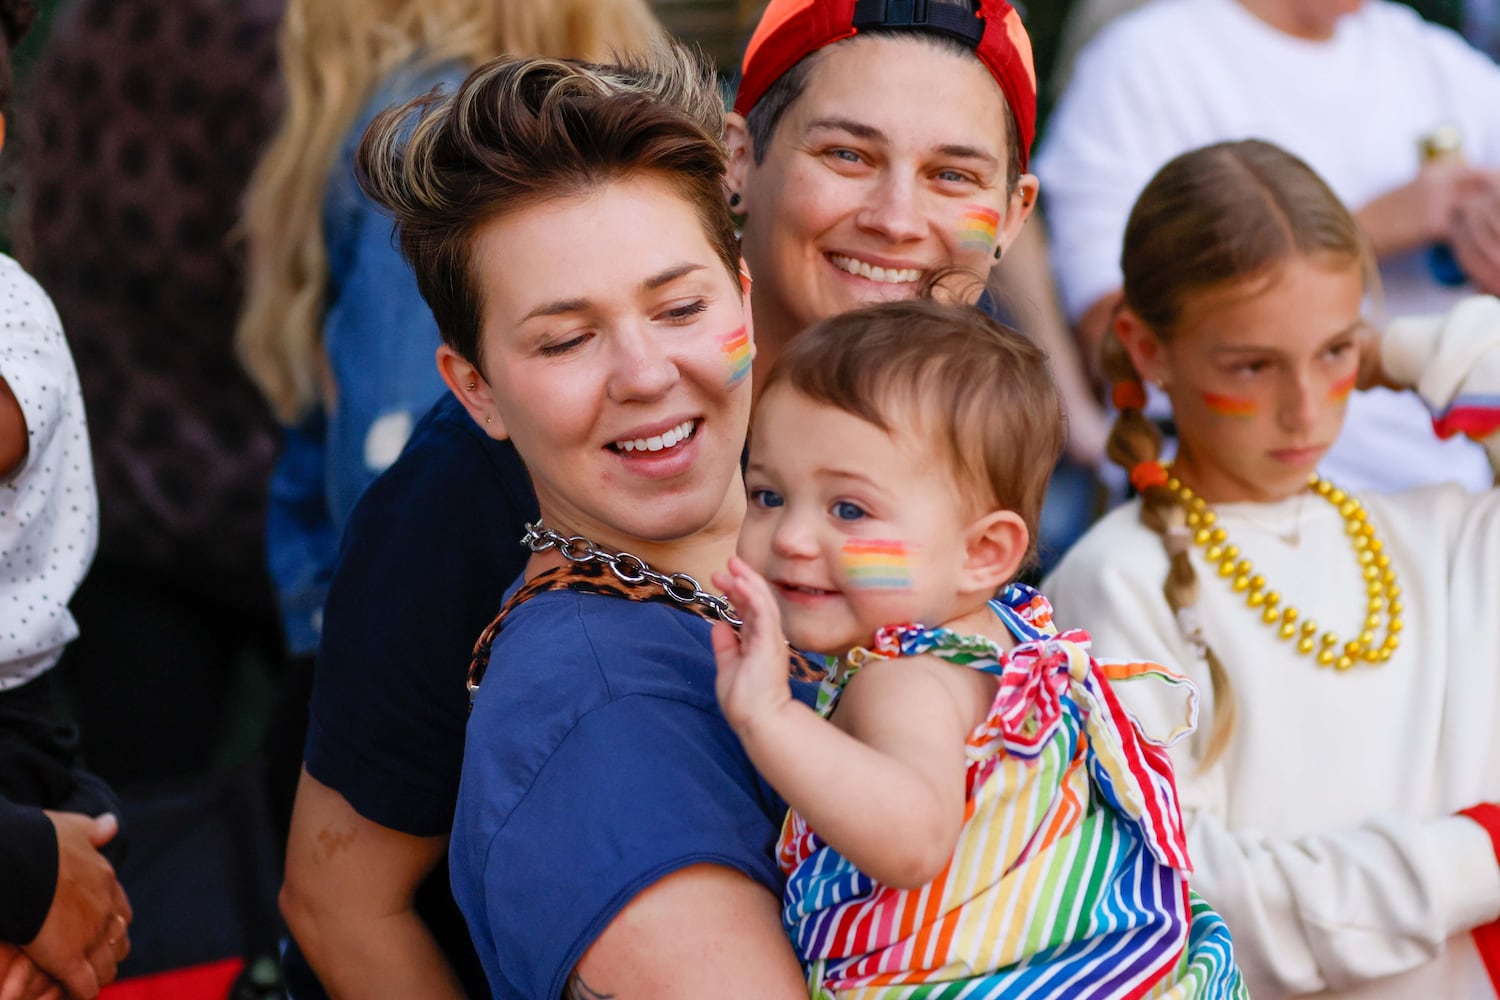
x=1337, y=908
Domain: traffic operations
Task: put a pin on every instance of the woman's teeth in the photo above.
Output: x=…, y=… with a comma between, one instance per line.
x=888, y=276
x=667, y=439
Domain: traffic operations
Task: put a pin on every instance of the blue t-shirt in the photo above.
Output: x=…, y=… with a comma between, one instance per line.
x=596, y=763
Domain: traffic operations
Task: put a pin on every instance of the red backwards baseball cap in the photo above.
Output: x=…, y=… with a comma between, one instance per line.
x=792, y=29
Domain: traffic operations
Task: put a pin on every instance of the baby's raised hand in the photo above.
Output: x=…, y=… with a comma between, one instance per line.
x=753, y=664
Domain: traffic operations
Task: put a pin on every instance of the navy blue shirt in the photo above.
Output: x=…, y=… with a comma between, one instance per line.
x=597, y=762
x=427, y=554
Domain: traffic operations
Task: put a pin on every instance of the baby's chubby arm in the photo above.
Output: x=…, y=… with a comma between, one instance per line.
x=12, y=430
x=885, y=785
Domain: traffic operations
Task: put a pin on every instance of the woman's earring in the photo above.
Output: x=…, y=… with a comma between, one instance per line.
x=999, y=250
x=472, y=386
x=734, y=199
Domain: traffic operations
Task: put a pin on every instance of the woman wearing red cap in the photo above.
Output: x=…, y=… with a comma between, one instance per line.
x=875, y=145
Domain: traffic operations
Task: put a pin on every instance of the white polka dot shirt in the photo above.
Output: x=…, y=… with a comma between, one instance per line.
x=49, y=512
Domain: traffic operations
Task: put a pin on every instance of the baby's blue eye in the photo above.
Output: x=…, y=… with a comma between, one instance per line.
x=846, y=511
x=766, y=498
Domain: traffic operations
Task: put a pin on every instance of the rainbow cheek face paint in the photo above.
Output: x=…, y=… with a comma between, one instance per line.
x=1229, y=406
x=977, y=228
x=736, y=348
x=1340, y=390
x=876, y=564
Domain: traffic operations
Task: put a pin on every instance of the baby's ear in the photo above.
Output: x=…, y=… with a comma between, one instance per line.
x=994, y=548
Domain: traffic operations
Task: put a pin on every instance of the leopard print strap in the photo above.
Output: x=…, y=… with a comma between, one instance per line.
x=595, y=578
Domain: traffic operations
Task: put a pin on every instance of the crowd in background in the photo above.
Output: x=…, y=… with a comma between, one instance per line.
x=254, y=369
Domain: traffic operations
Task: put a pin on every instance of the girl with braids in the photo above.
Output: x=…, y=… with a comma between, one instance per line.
x=1341, y=804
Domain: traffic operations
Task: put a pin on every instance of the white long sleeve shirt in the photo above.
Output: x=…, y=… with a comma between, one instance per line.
x=1326, y=834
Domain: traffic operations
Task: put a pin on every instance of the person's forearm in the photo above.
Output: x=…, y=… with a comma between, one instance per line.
x=393, y=955
x=13, y=445
x=874, y=809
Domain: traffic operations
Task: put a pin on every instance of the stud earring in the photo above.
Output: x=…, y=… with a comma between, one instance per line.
x=734, y=199
x=472, y=386
x=999, y=251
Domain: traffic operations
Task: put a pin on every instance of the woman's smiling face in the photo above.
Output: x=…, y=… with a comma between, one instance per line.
x=889, y=166
x=615, y=345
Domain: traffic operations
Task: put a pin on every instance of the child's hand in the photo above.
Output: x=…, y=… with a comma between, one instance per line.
x=752, y=680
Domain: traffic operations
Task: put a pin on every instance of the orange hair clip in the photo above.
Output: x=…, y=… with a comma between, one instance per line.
x=1128, y=395
x=1148, y=474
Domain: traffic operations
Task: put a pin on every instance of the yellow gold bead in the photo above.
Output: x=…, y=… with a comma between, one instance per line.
x=1372, y=621
x=1395, y=626
x=1241, y=583
x=1351, y=648
x=1226, y=568
x=1325, y=656
x=1273, y=598
x=1231, y=552
x=1287, y=630
x=1244, y=568
x=1208, y=517
x=1391, y=642
x=1397, y=607
x=1372, y=573
x=1359, y=515
x=1257, y=582
x=1393, y=592
x=1337, y=497
x=1344, y=662
x=1323, y=486
x=1388, y=577
x=1366, y=558
x=1367, y=529
x=1213, y=553
x=1382, y=560
x=1256, y=598
x=1329, y=639
x=1309, y=627
x=1194, y=519
x=1365, y=638
x=1384, y=656
x=1217, y=536
x=1374, y=589
x=1183, y=491
x=1200, y=537
x=1304, y=645
x=1361, y=543
x=1289, y=614
x=1376, y=545
x=1197, y=503
x=1376, y=604
x=1348, y=507
x=1269, y=615
x=1174, y=484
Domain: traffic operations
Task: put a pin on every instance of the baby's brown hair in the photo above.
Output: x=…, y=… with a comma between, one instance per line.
x=982, y=392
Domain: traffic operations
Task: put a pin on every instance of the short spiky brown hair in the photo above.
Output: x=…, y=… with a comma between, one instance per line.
x=981, y=393
x=520, y=131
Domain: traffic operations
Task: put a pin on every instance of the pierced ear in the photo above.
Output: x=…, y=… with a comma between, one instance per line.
x=994, y=547
x=1018, y=208
x=1145, y=348
x=741, y=158
x=469, y=387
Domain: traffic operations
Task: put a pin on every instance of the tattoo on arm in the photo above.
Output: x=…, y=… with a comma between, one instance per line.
x=577, y=989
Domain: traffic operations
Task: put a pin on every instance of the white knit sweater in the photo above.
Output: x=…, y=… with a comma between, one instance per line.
x=1325, y=835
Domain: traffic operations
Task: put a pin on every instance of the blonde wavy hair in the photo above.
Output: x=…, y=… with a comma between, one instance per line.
x=334, y=54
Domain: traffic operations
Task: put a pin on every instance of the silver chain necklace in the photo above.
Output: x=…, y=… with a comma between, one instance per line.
x=627, y=568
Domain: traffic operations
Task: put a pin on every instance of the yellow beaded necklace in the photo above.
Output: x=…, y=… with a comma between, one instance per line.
x=1380, y=580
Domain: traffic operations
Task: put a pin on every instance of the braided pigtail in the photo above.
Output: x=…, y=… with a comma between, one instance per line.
x=1135, y=444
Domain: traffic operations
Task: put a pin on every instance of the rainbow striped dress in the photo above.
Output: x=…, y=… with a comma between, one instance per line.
x=1069, y=879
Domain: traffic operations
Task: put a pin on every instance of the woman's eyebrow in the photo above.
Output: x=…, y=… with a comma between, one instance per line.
x=669, y=275
x=656, y=281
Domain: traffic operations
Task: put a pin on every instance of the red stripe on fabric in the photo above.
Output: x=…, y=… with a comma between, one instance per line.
x=1487, y=938
x=1475, y=422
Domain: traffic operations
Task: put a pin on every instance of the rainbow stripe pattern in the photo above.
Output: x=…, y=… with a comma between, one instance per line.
x=1229, y=406
x=876, y=563
x=977, y=228
x=1069, y=879
x=1474, y=415
x=1340, y=390
x=737, y=355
